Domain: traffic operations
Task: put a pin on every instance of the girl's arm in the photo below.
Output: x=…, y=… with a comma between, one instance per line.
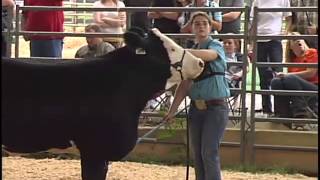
x=180, y=94
x=204, y=54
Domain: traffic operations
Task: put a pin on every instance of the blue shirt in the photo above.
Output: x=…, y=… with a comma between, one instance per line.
x=216, y=86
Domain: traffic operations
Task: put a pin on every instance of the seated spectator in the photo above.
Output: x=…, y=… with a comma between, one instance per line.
x=297, y=78
x=96, y=46
x=111, y=21
x=233, y=73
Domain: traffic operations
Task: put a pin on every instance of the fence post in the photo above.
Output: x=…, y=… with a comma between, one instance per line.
x=8, y=34
x=253, y=82
x=17, y=32
x=74, y=19
x=243, y=133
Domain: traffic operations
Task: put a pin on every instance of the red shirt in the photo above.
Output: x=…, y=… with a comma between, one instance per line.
x=310, y=56
x=44, y=20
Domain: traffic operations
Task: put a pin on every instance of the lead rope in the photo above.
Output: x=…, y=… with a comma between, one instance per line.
x=187, y=127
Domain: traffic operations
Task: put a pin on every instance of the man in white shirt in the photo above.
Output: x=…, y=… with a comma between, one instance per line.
x=269, y=23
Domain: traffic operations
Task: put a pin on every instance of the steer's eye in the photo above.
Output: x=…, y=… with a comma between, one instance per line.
x=172, y=49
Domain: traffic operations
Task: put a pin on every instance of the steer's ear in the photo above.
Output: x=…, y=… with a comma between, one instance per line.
x=138, y=30
x=133, y=40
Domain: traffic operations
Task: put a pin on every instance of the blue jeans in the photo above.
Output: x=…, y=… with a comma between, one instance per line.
x=288, y=106
x=46, y=48
x=270, y=51
x=206, y=131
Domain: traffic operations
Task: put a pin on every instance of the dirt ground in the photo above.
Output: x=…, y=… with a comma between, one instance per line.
x=19, y=168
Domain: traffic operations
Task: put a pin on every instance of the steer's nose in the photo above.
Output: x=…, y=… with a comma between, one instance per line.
x=201, y=64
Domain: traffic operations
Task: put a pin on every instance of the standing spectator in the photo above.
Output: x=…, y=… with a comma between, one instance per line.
x=49, y=21
x=231, y=20
x=216, y=17
x=297, y=78
x=8, y=7
x=182, y=17
x=269, y=23
x=166, y=22
x=182, y=20
x=208, y=115
x=305, y=22
x=138, y=19
x=111, y=21
x=96, y=46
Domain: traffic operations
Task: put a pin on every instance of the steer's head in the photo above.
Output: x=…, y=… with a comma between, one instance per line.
x=183, y=65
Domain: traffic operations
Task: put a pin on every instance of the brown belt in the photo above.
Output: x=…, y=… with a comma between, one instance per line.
x=202, y=104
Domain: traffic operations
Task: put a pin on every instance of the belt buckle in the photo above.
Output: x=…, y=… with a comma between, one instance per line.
x=200, y=104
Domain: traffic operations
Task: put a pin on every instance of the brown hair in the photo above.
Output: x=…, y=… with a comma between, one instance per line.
x=94, y=27
x=200, y=13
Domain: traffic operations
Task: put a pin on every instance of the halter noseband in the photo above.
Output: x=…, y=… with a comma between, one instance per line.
x=178, y=65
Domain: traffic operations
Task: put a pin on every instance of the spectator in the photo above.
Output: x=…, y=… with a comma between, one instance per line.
x=138, y=19
x=182, y=17
x=8, y=7
x=111, y=21
x=305, y=22
x=96, y=46
x=269, y=23
x=216, y=18
x=233, y=73
x=166, y=22
x=49, y=21
x=231, y=20
x=297, y=78
x=208, y=115
x=182, y=20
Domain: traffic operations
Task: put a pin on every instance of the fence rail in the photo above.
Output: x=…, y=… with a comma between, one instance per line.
x=246, y=139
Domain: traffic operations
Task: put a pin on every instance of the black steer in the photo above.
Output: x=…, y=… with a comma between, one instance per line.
x=95, y=103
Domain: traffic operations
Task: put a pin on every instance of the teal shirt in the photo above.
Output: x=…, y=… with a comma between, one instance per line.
x=214, y=87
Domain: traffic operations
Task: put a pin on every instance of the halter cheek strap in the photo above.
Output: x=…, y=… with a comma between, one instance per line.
x=178, y=65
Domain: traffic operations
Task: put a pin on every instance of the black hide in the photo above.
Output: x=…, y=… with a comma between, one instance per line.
x=94, y=102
